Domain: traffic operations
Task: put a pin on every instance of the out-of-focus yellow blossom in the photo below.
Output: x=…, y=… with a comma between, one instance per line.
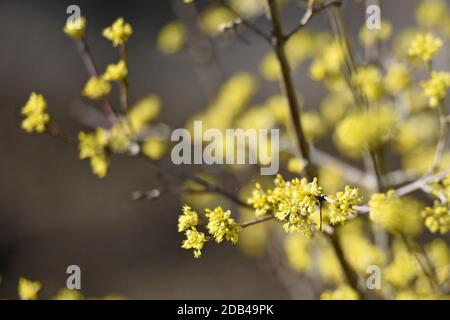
x=221, y=226
x=358, y=249
x=437, y=218
x=335, y=106
x=92, y=146
x=341, y=293
x=402, y=270
x=331, y=179
x=421, y=159
x=96, y=88
x=212, y=18
x=257, y=117
x=68, y=295
x=329, y=267
x=364, y=130
x=249, y=8
x=341, y=206
x=28, y=290
x=425, y=47
x=116, y=72
x=297, y=248
x=396, y=214
x=76, y=28
x=329, y=63
x=144, y=112
x=292, y=202
x=233, y=96
x=313, y=126
x=295, y=165
x=188, y=219
x=369, y=37
x=371, y=82
x=397, y=78
x=279, y=109
x=408, y=138
x=35, y=113
x=439, y=253
x=119, y=136
x=301, y=46
x=194, y=240
x=171, y=38
x=270, y=67
x=435, y=89
x=430, y=13
x=119, y=32
x=154, y=147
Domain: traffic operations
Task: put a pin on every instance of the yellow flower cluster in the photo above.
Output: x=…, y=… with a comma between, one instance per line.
x=116, y=72
x=365, y=130
x=425, y=47
x=370, y=80
x=396, y=215
x=341, y=293
x=76, y=28
x=435, y=89
x=194, y=240
x=93, y=146
x=96, y=88
x=220, y=226
x=28, y=290
x=119, y=32
x=35, y=112
x=437, y=218
x=342, y=205
x=291, y=202
x=329, y=63
x=441, y=189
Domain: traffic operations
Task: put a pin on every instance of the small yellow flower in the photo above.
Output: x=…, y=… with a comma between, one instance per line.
x=28, y=290
x=397, y=78
x=342, y=293
x=171, y=38
x=188, y=219
x=154, y=148
x=341, y=207
x=144, y=112
x=35, y=112
x=435, y=89
x=92, y=146
x=194, y=240
x=425, y=47
x=100, y=165
x=116, y=72
x=221, y=226
x=96, y=88
x=437, y=218
x=76, y=28
x=119, y=32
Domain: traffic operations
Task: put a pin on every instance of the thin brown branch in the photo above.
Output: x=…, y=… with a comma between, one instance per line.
x=256, y=221
x=86, y=57
x=124, y=86
x=310, y=13
x=288, y=87
x=242, y=21
x=443, y=138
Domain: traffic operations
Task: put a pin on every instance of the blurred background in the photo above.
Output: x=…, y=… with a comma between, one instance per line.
x=55, y=213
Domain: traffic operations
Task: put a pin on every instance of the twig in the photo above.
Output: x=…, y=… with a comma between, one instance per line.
x=256, y=221
x=242, y=21
x=278, y=43
x=91, y=70
x=311, y=12
x=124, y=86
x=443, y=138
